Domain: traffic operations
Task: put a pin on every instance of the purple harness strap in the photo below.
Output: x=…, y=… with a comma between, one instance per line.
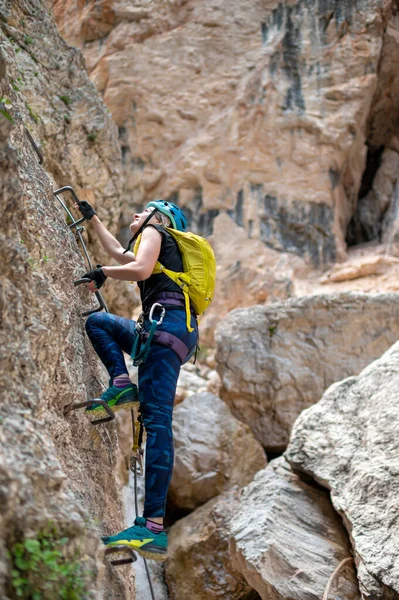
x=163, y=337
x=167, y=339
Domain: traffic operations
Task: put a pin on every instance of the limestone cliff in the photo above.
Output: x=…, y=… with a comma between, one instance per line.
x=270, y=111
x=57, y=481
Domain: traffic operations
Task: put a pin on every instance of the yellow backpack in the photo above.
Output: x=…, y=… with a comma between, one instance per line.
x=197, y=281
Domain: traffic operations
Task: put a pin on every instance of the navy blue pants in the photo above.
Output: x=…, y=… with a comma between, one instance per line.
x=110, y=335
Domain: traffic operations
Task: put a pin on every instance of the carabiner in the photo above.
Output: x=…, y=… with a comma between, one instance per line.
x=163, y=312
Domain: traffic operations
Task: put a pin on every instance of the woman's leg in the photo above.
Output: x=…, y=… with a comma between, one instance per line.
x=110, y=335
x=157, y=387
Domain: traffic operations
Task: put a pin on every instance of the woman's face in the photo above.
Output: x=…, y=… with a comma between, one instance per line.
x=139, y=219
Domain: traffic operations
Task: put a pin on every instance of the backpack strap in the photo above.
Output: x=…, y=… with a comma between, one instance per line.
x=183, y=280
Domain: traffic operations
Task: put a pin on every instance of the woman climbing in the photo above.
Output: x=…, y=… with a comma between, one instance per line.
x=157, y=376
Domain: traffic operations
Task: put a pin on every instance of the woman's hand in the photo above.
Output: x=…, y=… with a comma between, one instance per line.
x=97, y=279
x=85, y=209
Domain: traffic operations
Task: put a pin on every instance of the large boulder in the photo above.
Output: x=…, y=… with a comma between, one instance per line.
x=198, y=564
x=213, y=451
x=349, y=443
x=276, y=361
x=286, y=539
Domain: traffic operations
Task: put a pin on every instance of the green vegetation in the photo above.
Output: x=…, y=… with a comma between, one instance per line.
x=272, y=329
x=66, y=100
x=92, y=137
x=28, y=40
x=7, y=104
x=42, y=569
x=33, y=115
x=47, y=258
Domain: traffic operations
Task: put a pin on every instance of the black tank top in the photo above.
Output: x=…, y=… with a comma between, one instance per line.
x=170, y=258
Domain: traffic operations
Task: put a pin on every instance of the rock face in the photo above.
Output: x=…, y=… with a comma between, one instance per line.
x=198, y=564
x=53, y=469
x=248, y=273
x=47, y=89
x=213, y=451
x=348, y=443
x=264, y=110
x=276, y=361
x=286, y=539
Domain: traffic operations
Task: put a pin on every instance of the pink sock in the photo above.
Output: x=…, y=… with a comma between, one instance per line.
x=121, y=381
x=154, y=527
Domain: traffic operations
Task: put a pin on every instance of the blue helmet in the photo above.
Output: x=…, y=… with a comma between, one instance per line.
x=175, y=214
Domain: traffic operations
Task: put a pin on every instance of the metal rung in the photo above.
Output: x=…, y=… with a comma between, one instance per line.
x=121, y=561
x=70, y=407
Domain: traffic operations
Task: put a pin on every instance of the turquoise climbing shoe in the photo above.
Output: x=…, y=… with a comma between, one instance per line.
x=140, y=539
x=116, y=398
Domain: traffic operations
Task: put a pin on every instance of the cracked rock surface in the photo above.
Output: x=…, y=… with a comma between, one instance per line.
x=276, y=361
x=348, y=442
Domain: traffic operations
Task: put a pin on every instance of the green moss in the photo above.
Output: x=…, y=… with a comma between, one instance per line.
x=66, y=100
x=43, y=569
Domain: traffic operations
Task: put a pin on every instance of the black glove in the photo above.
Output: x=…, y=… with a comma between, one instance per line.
x=96, y=275
x=86, y=210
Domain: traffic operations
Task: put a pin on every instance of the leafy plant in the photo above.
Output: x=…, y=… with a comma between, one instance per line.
x=41, y=569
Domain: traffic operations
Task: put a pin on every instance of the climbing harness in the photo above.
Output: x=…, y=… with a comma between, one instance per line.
x=140, y=350
x=136, y=461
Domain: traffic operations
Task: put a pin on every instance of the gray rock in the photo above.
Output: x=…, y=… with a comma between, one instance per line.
x=213, y=451
x=286, y=539
x=199, y=564
x=276, y=361
x=349, y=443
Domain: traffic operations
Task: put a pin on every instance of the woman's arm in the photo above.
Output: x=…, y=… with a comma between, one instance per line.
x=144, y=263
x=110, y=244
